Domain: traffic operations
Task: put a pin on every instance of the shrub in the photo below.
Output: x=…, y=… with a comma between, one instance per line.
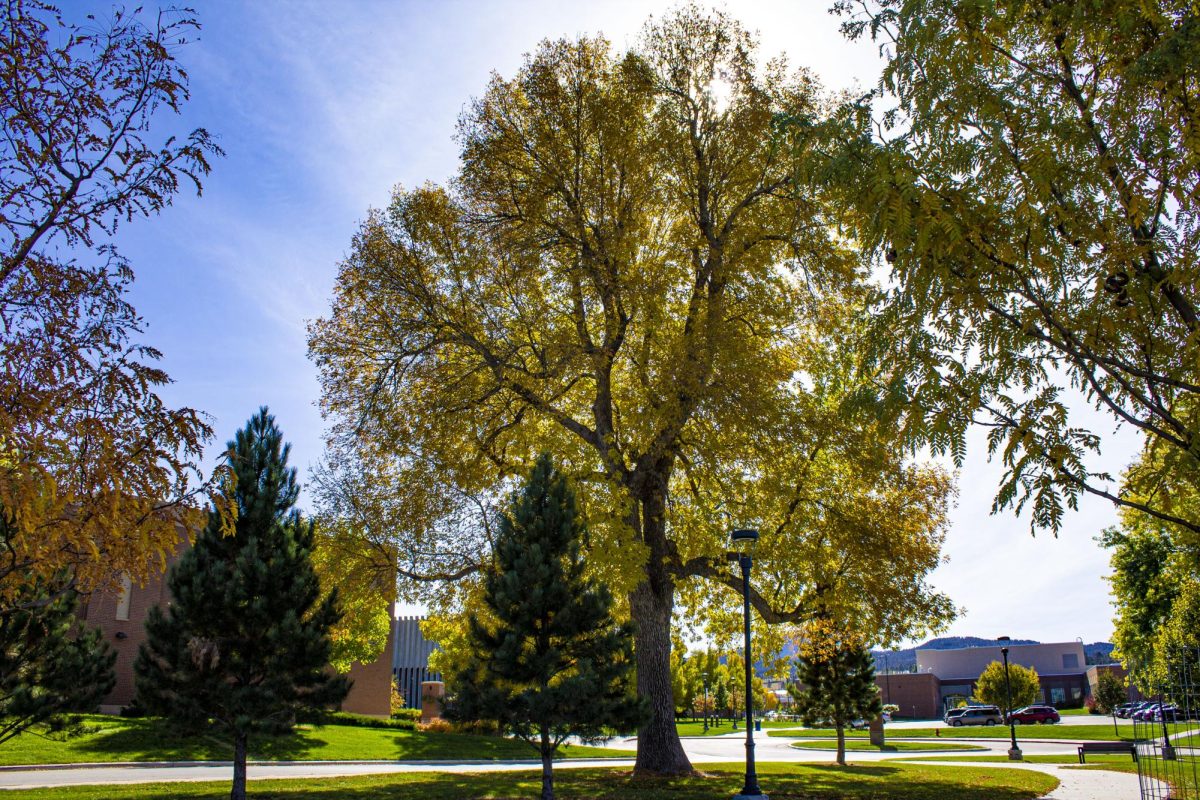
x=411, y=714
x=362, y=721
x=436, y=725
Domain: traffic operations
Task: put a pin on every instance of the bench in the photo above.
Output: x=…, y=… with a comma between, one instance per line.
x=1107, y=747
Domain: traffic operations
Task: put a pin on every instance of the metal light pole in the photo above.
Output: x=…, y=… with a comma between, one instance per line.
x=746, y=539
x=1014, y=753
x=705, y=676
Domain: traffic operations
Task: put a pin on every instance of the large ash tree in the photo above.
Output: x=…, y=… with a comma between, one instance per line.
x=548, y=659
x=624, y=273
x=245, y=640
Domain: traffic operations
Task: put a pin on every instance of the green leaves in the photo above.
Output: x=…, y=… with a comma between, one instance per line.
x=1036, y=195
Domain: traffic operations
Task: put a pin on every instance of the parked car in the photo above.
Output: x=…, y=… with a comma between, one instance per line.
x=952, y=714
x=978, y=715
x=1169, y=712
x=1034, y=714
x=1123, y=710
x=1146, y=713
x=1135, y=708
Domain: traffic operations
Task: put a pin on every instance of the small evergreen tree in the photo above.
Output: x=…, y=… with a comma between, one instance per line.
x=550, y=661
x=50, y=665
x=837, y=673
x=245, y=641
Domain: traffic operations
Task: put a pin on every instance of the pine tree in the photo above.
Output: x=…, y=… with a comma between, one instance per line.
x=838, y=685
x=49, y=664
x=245, y=641
x=550, y=661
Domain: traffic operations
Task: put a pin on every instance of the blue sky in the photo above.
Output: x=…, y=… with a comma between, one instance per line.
x=324, y=107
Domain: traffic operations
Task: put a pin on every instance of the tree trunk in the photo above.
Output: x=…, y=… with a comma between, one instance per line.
x=841, y=751
x=659, y=751
x=547, y=767
x=239, y=767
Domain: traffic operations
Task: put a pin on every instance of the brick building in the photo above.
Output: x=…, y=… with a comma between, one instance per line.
x=121, y=617
x=946, y=677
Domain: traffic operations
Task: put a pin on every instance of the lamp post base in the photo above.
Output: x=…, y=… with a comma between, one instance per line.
x=1014, y=754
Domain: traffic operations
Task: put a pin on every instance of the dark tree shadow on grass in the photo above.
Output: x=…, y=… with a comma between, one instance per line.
x=159, y=740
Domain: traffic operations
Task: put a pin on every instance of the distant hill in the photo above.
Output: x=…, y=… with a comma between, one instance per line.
x=906, y=660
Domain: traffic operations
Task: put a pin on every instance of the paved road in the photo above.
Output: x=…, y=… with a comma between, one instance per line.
x=1076, y=784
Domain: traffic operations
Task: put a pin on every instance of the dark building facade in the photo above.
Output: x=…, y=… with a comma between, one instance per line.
x=410, y=664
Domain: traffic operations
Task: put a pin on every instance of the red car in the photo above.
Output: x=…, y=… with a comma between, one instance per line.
x=1031, y=714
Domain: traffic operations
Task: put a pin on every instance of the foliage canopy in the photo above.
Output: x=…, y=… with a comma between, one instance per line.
x=991, y=687
x=625, y=273
x=90, y=456
x=1034, y=189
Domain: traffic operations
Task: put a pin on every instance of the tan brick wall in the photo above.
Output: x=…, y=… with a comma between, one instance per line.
x=124, y=636
x=371, y=693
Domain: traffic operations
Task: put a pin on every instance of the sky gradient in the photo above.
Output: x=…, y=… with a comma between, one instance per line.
x=323, y=108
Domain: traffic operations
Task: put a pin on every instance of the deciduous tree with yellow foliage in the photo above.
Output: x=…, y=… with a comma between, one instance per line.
x=626, y=274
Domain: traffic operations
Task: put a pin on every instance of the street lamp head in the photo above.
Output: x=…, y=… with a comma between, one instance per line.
x=744, y=539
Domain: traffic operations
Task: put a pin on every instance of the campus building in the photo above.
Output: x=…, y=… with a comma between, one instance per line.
x=410, y=664
x=944, y=678
x=121, y=617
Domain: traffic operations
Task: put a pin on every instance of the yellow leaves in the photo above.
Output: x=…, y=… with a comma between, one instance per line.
x=363, y=574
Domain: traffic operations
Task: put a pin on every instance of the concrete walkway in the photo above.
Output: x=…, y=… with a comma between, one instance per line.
x=1074, y=784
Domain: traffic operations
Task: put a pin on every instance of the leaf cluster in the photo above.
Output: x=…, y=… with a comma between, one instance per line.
x=90, y=456
x=1033, y=188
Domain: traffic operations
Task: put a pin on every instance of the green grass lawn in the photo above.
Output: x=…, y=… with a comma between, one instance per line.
x=726, y=727
x=1069, y=733
x=1114, y=762
x=884, y=781
x=890, y=747
x=117, y=739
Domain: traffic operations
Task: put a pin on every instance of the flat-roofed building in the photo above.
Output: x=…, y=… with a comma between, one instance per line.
x=410, y=664
x=1061, y=667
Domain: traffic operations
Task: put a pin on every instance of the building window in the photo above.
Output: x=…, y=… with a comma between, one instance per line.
x=123, y=599
x=1070, y=661
x=1058, y=695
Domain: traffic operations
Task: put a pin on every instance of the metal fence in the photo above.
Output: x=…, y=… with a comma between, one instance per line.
x=1169, y=740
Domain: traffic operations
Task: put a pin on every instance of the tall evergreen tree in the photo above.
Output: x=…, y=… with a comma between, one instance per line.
x=49, y=664
x=550, y=661
x=837, y=674
x=245, y=641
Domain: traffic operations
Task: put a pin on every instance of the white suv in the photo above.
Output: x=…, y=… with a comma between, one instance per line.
x=978, y=715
